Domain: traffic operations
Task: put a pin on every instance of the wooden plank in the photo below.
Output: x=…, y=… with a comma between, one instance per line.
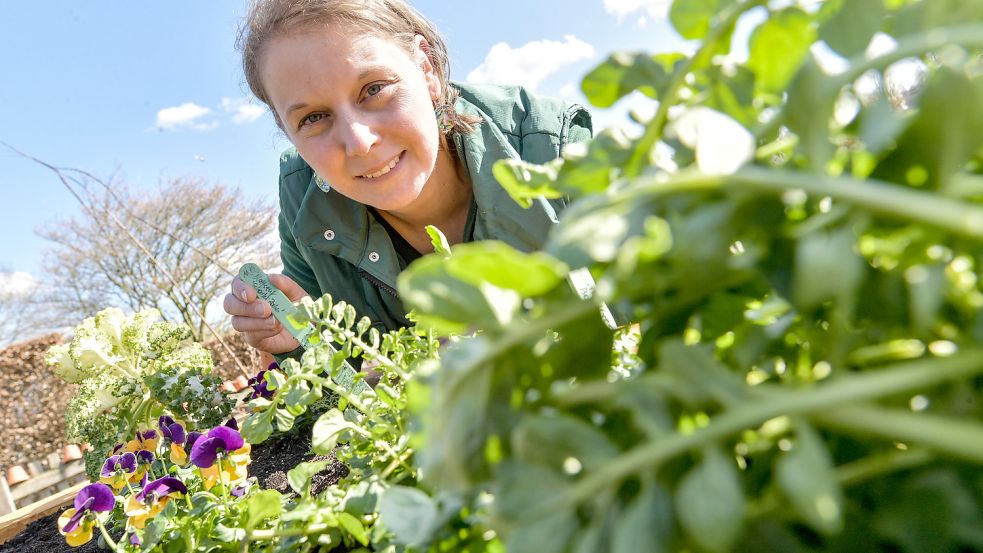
x=35, y=468
x=53, y=460
x=47, y=479
x=13, y=523
x=7, y=504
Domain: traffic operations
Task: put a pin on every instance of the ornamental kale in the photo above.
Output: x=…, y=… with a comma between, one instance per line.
x=131, y=369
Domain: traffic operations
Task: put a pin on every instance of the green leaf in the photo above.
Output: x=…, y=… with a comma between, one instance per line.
x=449, y=305
x=410, y=514
x=647, y=523
x=595, y=230
x=526, y=182
x=225, y=534
x=849, y=31
x=625, y=72
x=257, y=427
x=805, y=475
x=778, y=47
x=944, y=135
x=328, y=430
x=554, y=440
x=550, y=534
x=300, y=476
x=710, y=503
x=592, y=171
x=880, y=125
x=261, y=505
x=498, y=264
x=354, y=528
x=730, y=92
x=808, y=111
x=692, y=18
x=828, y=268
x=440, y=246
x=284, y=420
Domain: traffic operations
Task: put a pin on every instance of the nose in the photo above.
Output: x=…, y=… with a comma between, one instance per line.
x=358, y=137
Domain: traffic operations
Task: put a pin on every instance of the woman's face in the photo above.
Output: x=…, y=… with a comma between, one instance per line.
x=359, y=109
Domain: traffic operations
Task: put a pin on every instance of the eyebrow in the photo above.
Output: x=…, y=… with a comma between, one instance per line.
x=361, y=76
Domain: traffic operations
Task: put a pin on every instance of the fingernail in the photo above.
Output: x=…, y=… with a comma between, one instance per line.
x=242, y=295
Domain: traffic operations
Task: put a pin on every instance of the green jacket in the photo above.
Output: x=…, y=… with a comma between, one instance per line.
x=331, y=244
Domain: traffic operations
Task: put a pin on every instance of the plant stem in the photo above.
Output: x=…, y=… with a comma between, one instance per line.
x=957, y=437
x=221, y=484
x=105, y=535
x=850, y=474
x=668, y=97
x=366, y=348
x=905, y=377
x=874, y=195
x=271, y=533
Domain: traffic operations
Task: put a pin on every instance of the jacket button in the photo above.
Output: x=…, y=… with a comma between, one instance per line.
x=329, y=234
x=373, y=256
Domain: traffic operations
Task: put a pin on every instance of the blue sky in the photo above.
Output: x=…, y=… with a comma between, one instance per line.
x=112, y=88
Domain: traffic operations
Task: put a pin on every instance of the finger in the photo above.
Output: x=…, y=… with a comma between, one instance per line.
x=288, y=286
x=268, y=326
x=236, y=307
x=243, y=291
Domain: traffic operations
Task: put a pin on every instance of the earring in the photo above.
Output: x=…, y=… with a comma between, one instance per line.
x=325, y=187
x=445, y=117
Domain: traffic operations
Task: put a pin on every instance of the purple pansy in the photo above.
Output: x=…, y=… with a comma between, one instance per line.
x=218, y=440
x=161, y=487
x=94, y=497
x=145, y=457
x=189, y=442
x=233, y=424
x=171, y=430
x=260, y=385
x=135, y=539
x=147, y=435
x=238, y=491
x=126, y=462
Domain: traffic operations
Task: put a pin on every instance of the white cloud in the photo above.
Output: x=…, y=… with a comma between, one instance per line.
x=651, y=9
x=243, y=110
x=17, y=284
x=530, y=64
x=186, y=116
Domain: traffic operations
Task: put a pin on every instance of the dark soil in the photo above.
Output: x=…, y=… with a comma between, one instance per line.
x=270, y=462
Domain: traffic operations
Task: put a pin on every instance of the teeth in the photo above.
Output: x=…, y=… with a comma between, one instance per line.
x=392, y=163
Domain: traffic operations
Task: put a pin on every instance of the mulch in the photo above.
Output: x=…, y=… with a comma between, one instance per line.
x=270, y=462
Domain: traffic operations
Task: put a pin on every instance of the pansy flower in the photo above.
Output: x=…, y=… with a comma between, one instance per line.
x=119, y=469
x=151, y=500
x=144, y=440
x=225, y=443
x=76, y=524
x=259, y=383
x=174, y=434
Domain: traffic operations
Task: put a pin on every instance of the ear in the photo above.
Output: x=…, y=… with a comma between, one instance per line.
x=421, y=49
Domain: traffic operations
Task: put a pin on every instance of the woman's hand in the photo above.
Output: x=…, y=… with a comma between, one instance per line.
x=254, y=319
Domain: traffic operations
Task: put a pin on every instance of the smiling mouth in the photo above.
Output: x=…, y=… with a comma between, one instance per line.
x=388, y=167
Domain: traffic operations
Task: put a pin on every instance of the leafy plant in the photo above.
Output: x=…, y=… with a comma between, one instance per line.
x=801, y=253
x=130, y=369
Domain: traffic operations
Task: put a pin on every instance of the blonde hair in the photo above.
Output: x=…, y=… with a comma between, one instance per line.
x=395, y=19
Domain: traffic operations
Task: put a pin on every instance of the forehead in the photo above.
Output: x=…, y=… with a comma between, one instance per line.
x=340, y=46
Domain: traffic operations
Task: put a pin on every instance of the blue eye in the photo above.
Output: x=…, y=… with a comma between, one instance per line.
x=374, y=89
x=311, y=119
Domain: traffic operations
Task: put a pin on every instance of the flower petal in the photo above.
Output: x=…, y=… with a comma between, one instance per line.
x=128, y=461
x=101, y=495
x=110, y=466
x=204, y=452
x=189, y=443
x=231, y=439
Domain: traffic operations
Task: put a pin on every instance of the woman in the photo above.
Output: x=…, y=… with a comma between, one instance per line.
x=384, y=145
